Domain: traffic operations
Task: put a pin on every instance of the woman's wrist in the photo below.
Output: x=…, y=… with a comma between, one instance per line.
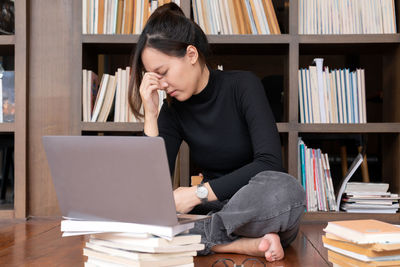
x=150, y=126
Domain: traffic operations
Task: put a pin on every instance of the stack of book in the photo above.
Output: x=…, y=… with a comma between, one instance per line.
x=362, y=243
x=129, y=244
x=347, y=16
x=236, y=16
x=331, y=96
x=369, y=198
x=316, y=179
x=108, y=100
x=118, y=16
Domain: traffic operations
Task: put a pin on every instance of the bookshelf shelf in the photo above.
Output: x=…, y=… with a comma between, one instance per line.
x=112, y=126
x=137, y=127
x=110, y=38
x=328, y=216
x=348, y=128
x=250, y=39
x=7, y=39
x=349, y=39
x=7, y=127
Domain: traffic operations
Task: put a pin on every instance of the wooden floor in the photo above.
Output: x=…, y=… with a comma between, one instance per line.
x=38, y=242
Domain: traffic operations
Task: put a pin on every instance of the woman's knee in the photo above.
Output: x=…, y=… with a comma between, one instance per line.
x=278, y=187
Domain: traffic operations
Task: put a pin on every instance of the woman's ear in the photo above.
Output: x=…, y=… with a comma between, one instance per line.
x=192, y=54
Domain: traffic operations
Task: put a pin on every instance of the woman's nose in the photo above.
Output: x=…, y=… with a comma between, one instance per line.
x=163, y=84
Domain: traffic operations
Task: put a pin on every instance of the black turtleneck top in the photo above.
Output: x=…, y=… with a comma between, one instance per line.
x=229, y=128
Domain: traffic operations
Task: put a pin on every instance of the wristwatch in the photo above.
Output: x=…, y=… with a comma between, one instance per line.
x=202, y=193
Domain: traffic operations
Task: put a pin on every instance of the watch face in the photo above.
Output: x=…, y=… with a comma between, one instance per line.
x=201, y=192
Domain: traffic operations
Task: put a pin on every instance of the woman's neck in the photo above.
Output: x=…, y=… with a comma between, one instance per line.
x=203, y=81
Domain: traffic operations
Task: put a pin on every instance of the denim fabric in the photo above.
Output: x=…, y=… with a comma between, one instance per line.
x=272, y=202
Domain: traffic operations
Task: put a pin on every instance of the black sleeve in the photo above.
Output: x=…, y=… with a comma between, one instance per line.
x=265, y=140
x=169, y=130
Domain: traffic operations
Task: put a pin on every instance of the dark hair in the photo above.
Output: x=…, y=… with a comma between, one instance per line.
x=169, y=31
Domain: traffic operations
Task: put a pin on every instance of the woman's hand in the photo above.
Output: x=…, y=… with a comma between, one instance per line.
x=148, y=92
x=185, y=199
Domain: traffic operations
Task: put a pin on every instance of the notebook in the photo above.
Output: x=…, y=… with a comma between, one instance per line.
x=110, y=178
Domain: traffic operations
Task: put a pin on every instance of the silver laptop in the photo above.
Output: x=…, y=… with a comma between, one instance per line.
x=113, y=178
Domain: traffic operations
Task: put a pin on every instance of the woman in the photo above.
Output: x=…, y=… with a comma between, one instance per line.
x=226, y=120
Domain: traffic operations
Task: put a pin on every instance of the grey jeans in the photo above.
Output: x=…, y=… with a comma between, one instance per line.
x=272, y=202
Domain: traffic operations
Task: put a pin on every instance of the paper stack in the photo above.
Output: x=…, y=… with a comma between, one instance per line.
x=362, y=243
x=369, y=198
x=130, y=244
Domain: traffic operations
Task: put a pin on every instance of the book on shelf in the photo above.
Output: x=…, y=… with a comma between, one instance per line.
x=110, y=98
x=347, y=17
x=369, y=198
x=236, y=16
x=331, y=96
x=316, y=179
x=117, y=16
x=366, y=187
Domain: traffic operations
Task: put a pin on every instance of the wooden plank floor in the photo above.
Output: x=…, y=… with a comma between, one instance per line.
x=38, y=242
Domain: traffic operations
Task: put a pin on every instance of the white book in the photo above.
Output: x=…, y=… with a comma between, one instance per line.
x=321, y=91
x=217, y=17
x=106, y=16
x=343, y=94
x=334, y=108
x=138, y=263
x=91, y=262
x=134, y=255
x=223, y=17
x=338, y=95
x=84, y=16
x=148, y=249
x=200, y=15
x=118, y=93
x=96, y=16
x=301, y=97
x=151, y=241
x=305, y=96
x=123, y=103
x=138, y=17
x=349, y=110
x=309, y=96
x=355, y=98
x=110, y=226
x=315, y=95
x=325, y=81
x=261, y=17
x=363, y=99
x=85, y=101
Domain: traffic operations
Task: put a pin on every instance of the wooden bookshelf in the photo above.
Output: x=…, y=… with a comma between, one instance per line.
x=16, y=45
x=56, y=103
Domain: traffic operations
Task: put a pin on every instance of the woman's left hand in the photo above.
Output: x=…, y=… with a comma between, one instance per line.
x=185, y=199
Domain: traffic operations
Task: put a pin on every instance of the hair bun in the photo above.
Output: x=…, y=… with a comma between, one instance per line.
x=169, y=7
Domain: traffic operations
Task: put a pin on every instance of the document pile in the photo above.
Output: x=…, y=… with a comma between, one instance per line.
x=130, y=244
x=369, y=198
x=362, y=243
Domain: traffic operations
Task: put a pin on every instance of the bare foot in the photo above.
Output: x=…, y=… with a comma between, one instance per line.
x=270, y=244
